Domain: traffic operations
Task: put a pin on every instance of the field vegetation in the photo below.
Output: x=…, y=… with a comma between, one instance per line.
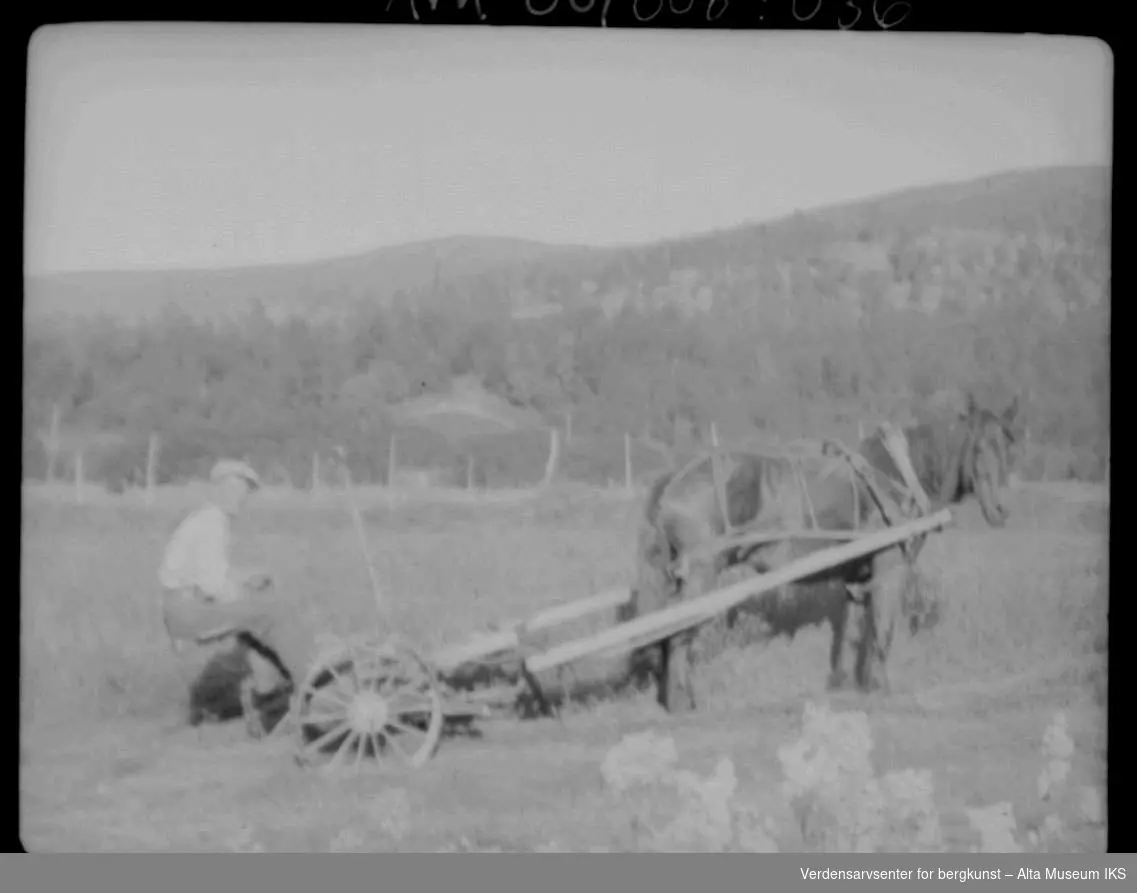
x=107, y=764
x=994, y=735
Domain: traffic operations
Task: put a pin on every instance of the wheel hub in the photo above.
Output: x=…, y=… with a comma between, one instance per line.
x=369, y=712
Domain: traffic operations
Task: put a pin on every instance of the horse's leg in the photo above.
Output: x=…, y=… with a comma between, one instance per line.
x=675, y=674
x=677, y=688
x=891, y=574
x=680, y=690
x=856, y=629
x=675, y=694
x=839, y=621
x=663, y=674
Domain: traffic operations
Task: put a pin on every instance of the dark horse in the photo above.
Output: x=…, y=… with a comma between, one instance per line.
x=681, y=552
x=970, y=454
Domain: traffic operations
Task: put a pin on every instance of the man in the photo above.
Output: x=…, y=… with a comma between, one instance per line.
x=205, y=597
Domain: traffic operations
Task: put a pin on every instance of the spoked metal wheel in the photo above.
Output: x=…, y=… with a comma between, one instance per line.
x=368, y=701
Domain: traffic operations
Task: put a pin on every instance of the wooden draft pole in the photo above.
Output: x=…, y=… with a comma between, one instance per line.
x=451, y=657
x=662, y=624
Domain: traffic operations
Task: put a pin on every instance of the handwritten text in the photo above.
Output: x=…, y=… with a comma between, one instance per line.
x=844, y=14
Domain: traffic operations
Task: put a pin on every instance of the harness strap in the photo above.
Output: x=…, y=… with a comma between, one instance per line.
x=861, y=469
x=718, y=477
x=796, y=463
x=682, y=473
x=897, y=446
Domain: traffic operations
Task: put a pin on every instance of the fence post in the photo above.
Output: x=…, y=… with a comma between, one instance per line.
x=627, y=462
x=469, y=471
x=53, y=442
x=79, y=476
x=392, y=463
x=554, y=454
x=151, y=468
x=317, y=484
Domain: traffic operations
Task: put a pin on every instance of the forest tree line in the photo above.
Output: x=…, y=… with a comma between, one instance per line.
x=798, y=330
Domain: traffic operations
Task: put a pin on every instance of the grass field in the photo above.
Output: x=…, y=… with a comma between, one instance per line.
x=106, y=766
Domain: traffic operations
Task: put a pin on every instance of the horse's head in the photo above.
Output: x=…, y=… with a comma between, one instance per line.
x=1001, y=433
x=993, y=448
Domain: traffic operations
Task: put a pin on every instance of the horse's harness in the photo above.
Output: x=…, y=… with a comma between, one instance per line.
x=858, y=468
x=719, y=480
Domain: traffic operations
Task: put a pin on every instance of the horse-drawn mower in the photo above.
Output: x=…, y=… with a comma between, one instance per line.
x=378, y=697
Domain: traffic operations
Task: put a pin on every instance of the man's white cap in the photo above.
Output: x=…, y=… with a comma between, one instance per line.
x=232, y=468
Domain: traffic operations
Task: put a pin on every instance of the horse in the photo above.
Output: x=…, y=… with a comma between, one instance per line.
x=971, y=454
x=681, y=551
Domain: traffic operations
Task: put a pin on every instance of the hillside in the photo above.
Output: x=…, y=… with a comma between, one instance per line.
x=797, y=327
x=1068, y=208
x=316, y=289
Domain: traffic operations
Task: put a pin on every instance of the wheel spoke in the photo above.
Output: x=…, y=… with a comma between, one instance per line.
x=370, y=678
x=411, y=703
x=360, y=744
x=393, y=740
x=330, y=697
x=313, y=719
x=400, y=676
x=338, y=674
x=361, y=670
x=345, y=746
x=353, y=663
x=328, y=701
x=326, y=738
x=405, y=729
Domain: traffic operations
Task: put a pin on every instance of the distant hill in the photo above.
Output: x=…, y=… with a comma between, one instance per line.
x=869, y=246
x=307, y=289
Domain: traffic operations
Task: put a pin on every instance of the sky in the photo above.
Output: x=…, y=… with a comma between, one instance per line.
x=168, y=146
